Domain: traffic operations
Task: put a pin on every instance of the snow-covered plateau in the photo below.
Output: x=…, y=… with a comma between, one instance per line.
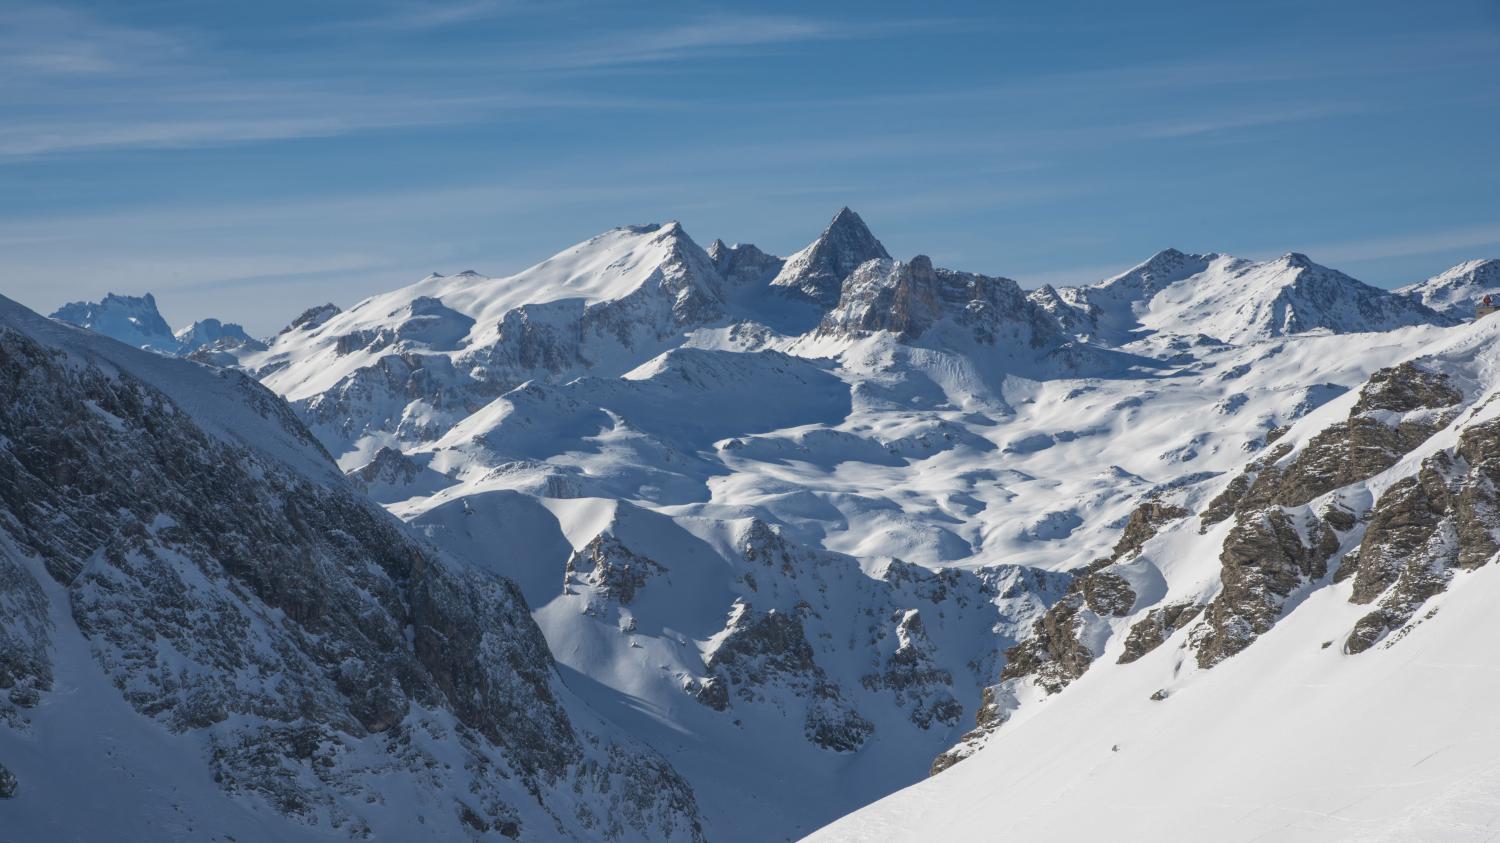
x=658, y=542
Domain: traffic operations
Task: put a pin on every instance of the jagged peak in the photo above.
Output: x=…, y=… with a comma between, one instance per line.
x=818, y=271
x=850, y=226
x=313, y=317
x=1296, y=260
x=920, y=263
x=1161, y=269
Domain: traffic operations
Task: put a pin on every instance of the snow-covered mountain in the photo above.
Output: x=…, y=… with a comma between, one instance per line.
x=799, y=531
x=1298, y=650
x=817, y=272
x=1457, y=291
x=1230, y=299
x=212, y=635
x=133, y=320
x=212, y=334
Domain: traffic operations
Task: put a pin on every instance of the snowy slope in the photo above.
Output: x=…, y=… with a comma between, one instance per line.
x=809, y=514
x=1456, y=291
x=211, y=636
x=206, y=333
x=1337, y=722
x=1236, y=301
x=405, y=366
x=133, y=320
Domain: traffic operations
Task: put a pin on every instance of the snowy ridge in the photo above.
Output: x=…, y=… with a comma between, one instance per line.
x=845, y=520
x=1130, y=736
x=1235, y=300
x=246, y=649
x=1456, y=291
x=133, y=320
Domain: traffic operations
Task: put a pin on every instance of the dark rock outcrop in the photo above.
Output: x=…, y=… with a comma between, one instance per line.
x=764, y=650
x=614, y=571
x=1158, y=625
x=237, y=551
x=1422, y=528
x=908, y=299
x=1264, y=560
x=817, y=272
x=913, y=676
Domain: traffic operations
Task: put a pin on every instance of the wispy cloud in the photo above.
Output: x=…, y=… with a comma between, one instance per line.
x=1228, y=121
x=1479, y=236
x=711, y=35
x=408, y=16
x=56, y=42
x=272, y=114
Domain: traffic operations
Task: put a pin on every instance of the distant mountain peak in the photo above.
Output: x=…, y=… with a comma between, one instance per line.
x=1455, y=291
x=133, y=320
x=818, y=271
x=313, y=317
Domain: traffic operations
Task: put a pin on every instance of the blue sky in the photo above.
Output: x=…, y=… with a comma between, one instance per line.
x=247, y=160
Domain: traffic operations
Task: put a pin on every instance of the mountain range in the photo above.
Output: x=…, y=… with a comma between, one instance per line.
x=657, y=542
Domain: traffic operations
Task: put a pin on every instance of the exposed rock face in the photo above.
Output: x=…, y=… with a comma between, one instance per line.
x=743, y=265
x=770, y=648
x=1264, y=560
x=1057, y=651
x=987, y=719
x=1235, y=493
x=1422, y=528
x=1403, y=521
x=388, y=466
x=313, y=317
x=1158, y=625
x=1273, y=549
x=1398, y=409
x=1054, y=655
x=239, y=554
x=817, y=272
x=908, y=299
x=1145, y=522
x=613, y=570
x=1072, y=315
x=212, y=332
x=911, y=672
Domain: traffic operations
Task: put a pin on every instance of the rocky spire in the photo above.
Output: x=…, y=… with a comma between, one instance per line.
x=818, y=271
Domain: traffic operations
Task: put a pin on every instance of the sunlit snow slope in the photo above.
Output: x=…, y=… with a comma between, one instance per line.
x=811, y=527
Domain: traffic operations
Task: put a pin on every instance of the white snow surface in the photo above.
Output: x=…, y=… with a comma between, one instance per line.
x=1293, y=739
x=1457, y=290
x=718, y=406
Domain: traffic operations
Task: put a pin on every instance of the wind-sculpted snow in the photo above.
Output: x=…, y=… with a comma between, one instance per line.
x=310, y=668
